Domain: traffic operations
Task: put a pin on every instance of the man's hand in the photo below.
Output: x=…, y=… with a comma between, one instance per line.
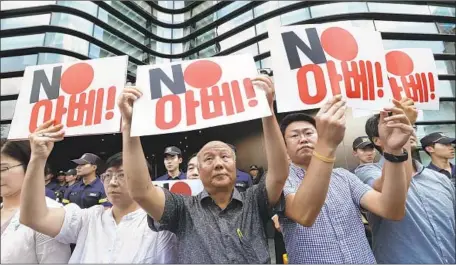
x=43, y=139
x=330, y=122
x=394, y=130
x=408, y=106
x=265, y=82
x=125, y=103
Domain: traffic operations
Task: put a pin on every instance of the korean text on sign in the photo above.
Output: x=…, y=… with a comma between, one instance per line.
x=80, y=95
x=197, y=94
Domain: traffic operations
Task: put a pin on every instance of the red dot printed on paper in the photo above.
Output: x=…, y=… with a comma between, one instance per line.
x=202, y=74
x=339, y=43
x=77, y=78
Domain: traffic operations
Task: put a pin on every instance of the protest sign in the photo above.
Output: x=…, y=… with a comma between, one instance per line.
x=312, y=63
x=185, y=187
x=190, y=95
x=80, y=95
x=412, y=73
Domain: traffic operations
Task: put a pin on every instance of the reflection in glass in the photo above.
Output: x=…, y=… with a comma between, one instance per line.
x=120, y=25
x=20, y=42
x=406, y=27
x=85, y=6
x=49, y=58
x=10, y=86
x=24, y=22
x=4, y=129
x=67, y=42
x=72, y=22
x=7, y=109
x=17, y=63
x=7, y=5
x=398, y=8
x=338, y=8
x=118, y=43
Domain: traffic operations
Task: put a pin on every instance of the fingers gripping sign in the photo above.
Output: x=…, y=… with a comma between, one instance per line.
x=394, y=130
x=43, y=138
x=266, y=83
x=330, y=122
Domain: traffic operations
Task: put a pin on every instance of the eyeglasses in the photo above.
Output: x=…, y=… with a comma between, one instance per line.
x=109, y=176
x=8, y=168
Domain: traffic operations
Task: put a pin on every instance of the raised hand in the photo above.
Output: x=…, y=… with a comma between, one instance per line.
x=395, y=130
x=408, y=106
x=330, y=122
x=125, y=103
x=43, y=139
x=265, y=82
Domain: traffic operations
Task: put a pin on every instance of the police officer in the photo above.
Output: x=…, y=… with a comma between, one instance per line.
x=363, y=149
x=172, y=161
x=441, y=150
x=70, y=179
x=90, y=190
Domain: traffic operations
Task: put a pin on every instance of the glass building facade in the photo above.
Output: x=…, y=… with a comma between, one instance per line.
x=149, y=32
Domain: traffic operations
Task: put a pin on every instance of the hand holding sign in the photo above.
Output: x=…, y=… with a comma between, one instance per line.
x=125, y=103
x=43, y=139
x=395, y=130
x=408, y=106
x=330, y=122
x=265, y=82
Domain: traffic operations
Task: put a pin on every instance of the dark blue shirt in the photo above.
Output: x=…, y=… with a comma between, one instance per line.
x=451, y=176
x=168, y=177
x=243, y=180
x=50, y=193
x=86, y=196
x=53, y=185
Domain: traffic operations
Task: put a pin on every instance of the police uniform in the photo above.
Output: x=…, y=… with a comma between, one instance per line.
x=90, y=194
x=172, y=150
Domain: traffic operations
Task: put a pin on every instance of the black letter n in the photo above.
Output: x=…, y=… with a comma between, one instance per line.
x=157, y=76
x=292, y=43
x=51, y=89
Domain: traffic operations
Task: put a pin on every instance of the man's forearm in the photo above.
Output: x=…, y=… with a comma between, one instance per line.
x=276, y=154
x=311, y=194
x=33, y=199
x=394, y=190
x=134, y=164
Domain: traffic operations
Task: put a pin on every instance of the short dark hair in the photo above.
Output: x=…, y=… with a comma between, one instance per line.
x=294, y=117
x=192, y=156
x=116, y=160
x=48, y=170
x=19, y=150
x=371, y=128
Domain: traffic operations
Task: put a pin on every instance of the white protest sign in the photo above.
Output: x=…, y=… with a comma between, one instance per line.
x=80, y=95
x=312, y=63
x=412, y=73
x=191, y=95
x=190, y=187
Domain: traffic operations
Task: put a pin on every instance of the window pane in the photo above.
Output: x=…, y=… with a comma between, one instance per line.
x=17, y=63
x=72, y=22
x=24, y=22
x=445, y=67
x=118, y=43
x=96, y=52
x=4, y=129
x=406, y=27
x=398, y=8
x=446, y=88
x=7, y=109
x=50, y=58
x=295, y=16
x=19, y=42
x=435, y=46
x=252, y=50
x=237, y=38
x=337, y=8
x=10, y=86
x=263, y=9
x=128, y=12
x=85, y=6
x=121, y=26
x=7, y=5
x=67, y=42
x=446, y=112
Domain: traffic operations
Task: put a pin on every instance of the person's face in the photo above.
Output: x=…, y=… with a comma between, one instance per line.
x=413, y=141
x=11, y=177
x=300, y=139
x=86, y=169
x=254, y=173
x=48, y=177
x=192, y=168
x=61, y=178
x=115, y=186
x=70, y=178
x=217, y=166
x=365, y=155
x=172, y=162
x=445, y=151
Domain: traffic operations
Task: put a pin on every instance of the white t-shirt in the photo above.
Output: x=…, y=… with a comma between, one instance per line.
x=99, y=239
x=21, y=244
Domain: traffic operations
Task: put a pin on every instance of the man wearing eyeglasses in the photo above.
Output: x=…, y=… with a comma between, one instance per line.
x=102, y=235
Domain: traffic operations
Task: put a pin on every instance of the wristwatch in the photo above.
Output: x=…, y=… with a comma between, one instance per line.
x=396, y=159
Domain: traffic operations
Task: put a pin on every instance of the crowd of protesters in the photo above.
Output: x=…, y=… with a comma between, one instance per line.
x=322, y=214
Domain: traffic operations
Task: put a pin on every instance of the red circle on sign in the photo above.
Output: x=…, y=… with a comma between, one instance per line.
x=339, y=43
x=399, y=63
x=202, y=74
x=181, y=188
x=77, y=78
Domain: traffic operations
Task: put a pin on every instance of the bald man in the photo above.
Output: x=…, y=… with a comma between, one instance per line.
x=221, y=224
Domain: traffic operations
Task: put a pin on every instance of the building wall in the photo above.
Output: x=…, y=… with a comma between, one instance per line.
x=42, y=32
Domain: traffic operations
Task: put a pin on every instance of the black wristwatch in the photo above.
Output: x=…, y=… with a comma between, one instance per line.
x=395, y=158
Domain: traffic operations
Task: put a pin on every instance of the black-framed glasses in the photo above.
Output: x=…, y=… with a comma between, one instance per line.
x=108, y=176
x=8, y=168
